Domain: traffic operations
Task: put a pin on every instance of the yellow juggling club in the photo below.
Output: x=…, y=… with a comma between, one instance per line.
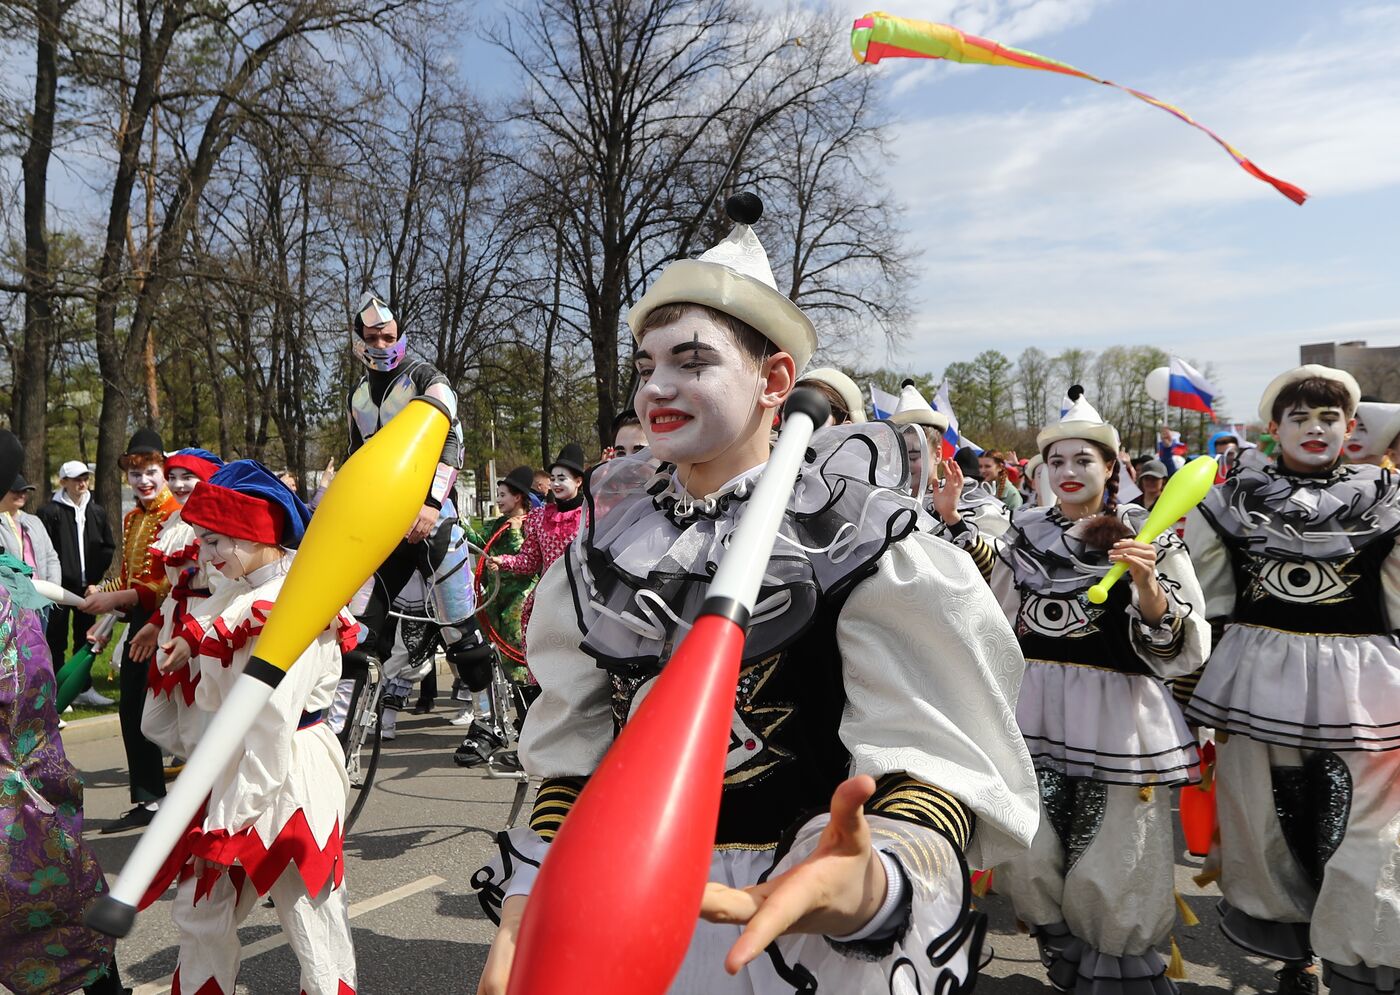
x=364, y=514
x=1186, y=489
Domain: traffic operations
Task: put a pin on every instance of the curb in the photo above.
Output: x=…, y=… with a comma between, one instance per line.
x=87, y=730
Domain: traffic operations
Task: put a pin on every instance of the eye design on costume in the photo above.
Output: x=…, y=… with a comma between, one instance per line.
x=1053, y=616
x=1302, y=582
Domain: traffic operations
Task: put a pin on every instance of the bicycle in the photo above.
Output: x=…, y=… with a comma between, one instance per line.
x=361, y=729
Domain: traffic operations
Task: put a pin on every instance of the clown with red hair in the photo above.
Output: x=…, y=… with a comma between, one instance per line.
x=272, y=824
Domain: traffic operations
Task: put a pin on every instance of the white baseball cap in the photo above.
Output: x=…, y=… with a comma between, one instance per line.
x=73, y=469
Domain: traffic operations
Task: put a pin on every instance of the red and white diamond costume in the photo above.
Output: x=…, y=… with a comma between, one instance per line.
x=170, y=718
x=274, y=818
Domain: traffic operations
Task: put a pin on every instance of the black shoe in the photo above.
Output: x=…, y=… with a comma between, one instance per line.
x=505, y=762
x=395, y=702
x=1297, y=979
x=422, y=708
x=138, y=818
x=477, y=748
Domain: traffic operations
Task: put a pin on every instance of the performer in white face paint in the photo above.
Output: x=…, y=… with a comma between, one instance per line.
x=1107, y=739
x=170, y=718
x=876, y=685
x=1375, y=435
x=272, y=824
x=1297, y=557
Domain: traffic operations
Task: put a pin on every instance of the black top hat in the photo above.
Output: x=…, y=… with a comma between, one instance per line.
x=570, y=458
x=520, y=480
x=144, y=440
x=967, y=462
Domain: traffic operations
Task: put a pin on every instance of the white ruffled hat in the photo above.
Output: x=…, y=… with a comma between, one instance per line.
x=1081, y=421
x=1308, y=371
x=1382, y=423
x=914, y=410
x=734, y=277
x=844, y=386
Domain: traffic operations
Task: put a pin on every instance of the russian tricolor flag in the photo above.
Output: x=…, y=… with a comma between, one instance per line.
x=883, y=403
x=1187, y=389
x=952, y=438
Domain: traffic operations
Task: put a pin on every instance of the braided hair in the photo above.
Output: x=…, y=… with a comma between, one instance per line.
x=1110, y=486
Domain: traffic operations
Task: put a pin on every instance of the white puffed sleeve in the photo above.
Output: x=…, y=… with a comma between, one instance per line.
x=570, y=725
x=1180, y=643
x=932, y=671
x=1211, y=562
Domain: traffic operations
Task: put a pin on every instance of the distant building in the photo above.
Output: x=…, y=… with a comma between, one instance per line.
x=1376, y=368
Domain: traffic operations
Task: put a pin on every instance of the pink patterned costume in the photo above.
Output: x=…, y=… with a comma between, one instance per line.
x=548, y=532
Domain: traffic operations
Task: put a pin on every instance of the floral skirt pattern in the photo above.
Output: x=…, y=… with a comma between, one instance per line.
x=47, y=874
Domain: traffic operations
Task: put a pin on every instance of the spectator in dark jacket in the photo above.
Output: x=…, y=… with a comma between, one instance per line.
x=81, y=534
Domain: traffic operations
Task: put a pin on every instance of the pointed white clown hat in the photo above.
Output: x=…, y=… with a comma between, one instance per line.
x=734, y=277
x=1081, y=421
x=914, y=410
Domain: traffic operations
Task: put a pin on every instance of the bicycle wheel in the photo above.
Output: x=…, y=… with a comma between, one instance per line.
x=368, y=739
x=361, y=734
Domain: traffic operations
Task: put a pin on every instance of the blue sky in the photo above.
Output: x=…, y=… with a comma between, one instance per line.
x=1054, y=212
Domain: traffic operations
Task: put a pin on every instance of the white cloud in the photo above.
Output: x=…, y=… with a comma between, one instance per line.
x=1099, y=219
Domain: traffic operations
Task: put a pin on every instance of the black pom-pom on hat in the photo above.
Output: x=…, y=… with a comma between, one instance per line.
x=908, y=383
x=1075, y=392
x=744, y=208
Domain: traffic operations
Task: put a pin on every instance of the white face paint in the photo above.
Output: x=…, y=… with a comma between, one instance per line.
x=564, y=484
x=225, y=555
x=916, y=449
x=146, y=482
x=1310, y=439
x=1357, y=447
x=181, y=483
x=1077, y=472
x=630, y=440
x=699, y=391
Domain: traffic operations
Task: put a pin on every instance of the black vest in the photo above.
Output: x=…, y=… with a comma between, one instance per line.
x=1072, y=630
x=1338, y=597
x=785, y=752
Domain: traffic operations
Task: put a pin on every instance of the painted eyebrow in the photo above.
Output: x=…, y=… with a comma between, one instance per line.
x=694, y=345
x=640, y=354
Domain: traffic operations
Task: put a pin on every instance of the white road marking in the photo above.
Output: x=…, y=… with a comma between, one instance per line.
x=162, y=987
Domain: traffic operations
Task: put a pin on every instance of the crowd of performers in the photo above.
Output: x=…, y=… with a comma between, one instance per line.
x=926, y=690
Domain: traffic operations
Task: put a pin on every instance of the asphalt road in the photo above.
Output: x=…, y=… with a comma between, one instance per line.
x=418, y=928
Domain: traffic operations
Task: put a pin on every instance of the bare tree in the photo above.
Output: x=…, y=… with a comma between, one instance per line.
x=146, y=71
x=1035, y=373
x=624, y=98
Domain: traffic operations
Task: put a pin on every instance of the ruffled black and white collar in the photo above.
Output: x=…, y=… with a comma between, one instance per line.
x=1283, y=515
x=1048, y=554
x=645, y=556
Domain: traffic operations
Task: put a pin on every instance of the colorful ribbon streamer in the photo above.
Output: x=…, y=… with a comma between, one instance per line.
x=878, y=36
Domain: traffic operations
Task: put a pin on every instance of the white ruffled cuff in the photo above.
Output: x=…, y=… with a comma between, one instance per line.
x=512, y=871
x=929, y=939
x=891, y=915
